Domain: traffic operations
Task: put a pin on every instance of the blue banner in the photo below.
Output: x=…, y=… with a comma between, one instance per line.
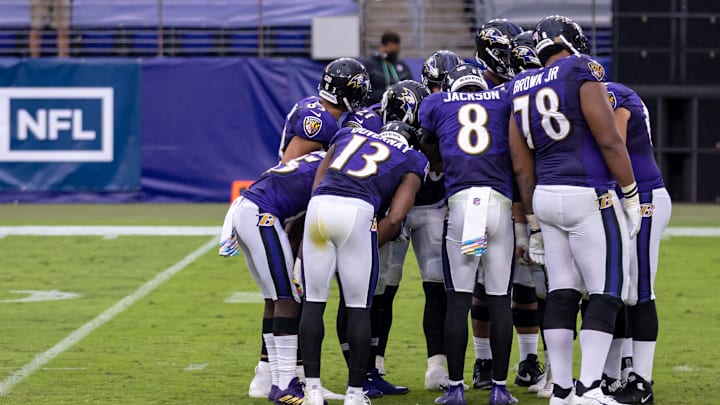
x=70, y=126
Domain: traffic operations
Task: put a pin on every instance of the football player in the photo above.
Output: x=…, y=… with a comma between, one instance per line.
x=424, y=228
x=308, y=127
x=361, y=172
x=499, y=54
x=633, y=122
x=254, y=224
x=564, y=139
x=469, y=127
x=436, y=67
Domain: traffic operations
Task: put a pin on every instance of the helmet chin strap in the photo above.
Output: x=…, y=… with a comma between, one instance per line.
x=347, y=104
x=569, y=45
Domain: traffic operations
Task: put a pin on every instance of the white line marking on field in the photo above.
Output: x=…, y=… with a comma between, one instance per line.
x=110, y=230
x=38, y=295
x=109, y=314
x=244, y=298
x=687, y=231
x=684, y=368
x=196, y=367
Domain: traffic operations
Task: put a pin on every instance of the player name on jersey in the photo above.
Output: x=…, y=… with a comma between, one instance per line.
x=486, y=95
x=535, y=80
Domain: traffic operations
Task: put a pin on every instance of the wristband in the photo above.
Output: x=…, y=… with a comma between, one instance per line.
x=630, y=190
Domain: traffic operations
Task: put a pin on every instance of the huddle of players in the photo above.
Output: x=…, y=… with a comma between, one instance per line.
x=553, y=128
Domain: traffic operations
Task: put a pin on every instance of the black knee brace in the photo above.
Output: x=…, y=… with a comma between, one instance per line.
x=601, y=313
x=479, y=292
x=622, y=326
x=644, y=322
x=562, y=308
x=523, y=294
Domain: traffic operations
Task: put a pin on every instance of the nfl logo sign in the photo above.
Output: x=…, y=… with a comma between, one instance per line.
x=476, y=201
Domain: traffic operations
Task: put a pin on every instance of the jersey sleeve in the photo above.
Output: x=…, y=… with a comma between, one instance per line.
x=588, y=69
x=426, y=116
x=618, y=95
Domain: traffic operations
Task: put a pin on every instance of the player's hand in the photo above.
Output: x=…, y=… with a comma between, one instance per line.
x=230, y=246
x=521, y=244
x=536, y=246
x=631, y=206
x=298, y=278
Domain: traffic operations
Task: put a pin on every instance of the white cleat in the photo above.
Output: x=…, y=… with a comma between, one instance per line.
x=331, y=396
x=593, y=397
x=314, y=396
x=436, y=378
x=262, y=382
x=356, y=399
x=540, y=384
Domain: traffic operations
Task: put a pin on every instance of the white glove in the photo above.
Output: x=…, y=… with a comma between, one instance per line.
x=298, y=278
x=536, y=248
x=521, y=244
x=631, y=206
x=230, y=246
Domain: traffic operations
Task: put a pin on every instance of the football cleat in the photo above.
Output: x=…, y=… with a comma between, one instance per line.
x=262, y=382
x=592, y=395
x=637, y=390
x=329, y=395
x=455, y=395
x=436, y=378
x=370, y=390
x=314, y=396
x=499, y=395
x=560, y=396
x=544, y=386
x=482, y=374
x=274, y=391
x=529, y=371
x=385, y=387
x=293, y=395
x=610, y=386
x=356, y=399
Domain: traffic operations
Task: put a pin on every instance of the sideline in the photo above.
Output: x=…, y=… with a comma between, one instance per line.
x=79, y=334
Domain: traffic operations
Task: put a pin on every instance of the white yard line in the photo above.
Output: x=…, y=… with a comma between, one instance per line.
x=110, y=230
x=79, y=334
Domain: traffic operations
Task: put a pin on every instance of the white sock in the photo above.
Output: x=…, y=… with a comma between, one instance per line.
x=272, y=357
x=286, y=347
x=643, y=356
x=626, y=365
x=560, y=353
x=594, y=346
x=482, y=348
x=527, y=343
x=496, y=382
x=380, y=364
x=354, y=390
x=451, y=382
x=612, y=363
x=313, y=383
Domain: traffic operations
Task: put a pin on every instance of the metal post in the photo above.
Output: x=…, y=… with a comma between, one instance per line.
x=160, y=29
x=594, y=29
x=261, y=39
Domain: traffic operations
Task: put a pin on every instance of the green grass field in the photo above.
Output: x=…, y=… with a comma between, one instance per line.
x=152, y=325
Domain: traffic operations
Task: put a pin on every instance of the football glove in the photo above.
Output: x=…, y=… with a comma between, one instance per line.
x=631, y=206
x=229, y=247
x=521, y=244
x=536, y=248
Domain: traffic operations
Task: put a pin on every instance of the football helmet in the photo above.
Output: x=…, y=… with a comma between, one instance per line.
x=554, y=33
x=492, y=45
x=437, y=65
x=401, y=132
x=522, y=53
x=463, y=76
x=401, y=102
x=345, y=82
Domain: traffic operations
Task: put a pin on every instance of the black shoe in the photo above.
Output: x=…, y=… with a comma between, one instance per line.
x=610, y=386
x=529, y=371
x=482, y=374
x=635, y=391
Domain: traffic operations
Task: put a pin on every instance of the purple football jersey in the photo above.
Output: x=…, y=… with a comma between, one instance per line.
x=547, y=110
x=310, y=120
x=471, y=129
x=363, y=118
x=368, y=167
x=639, y=143
x=284, y=190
